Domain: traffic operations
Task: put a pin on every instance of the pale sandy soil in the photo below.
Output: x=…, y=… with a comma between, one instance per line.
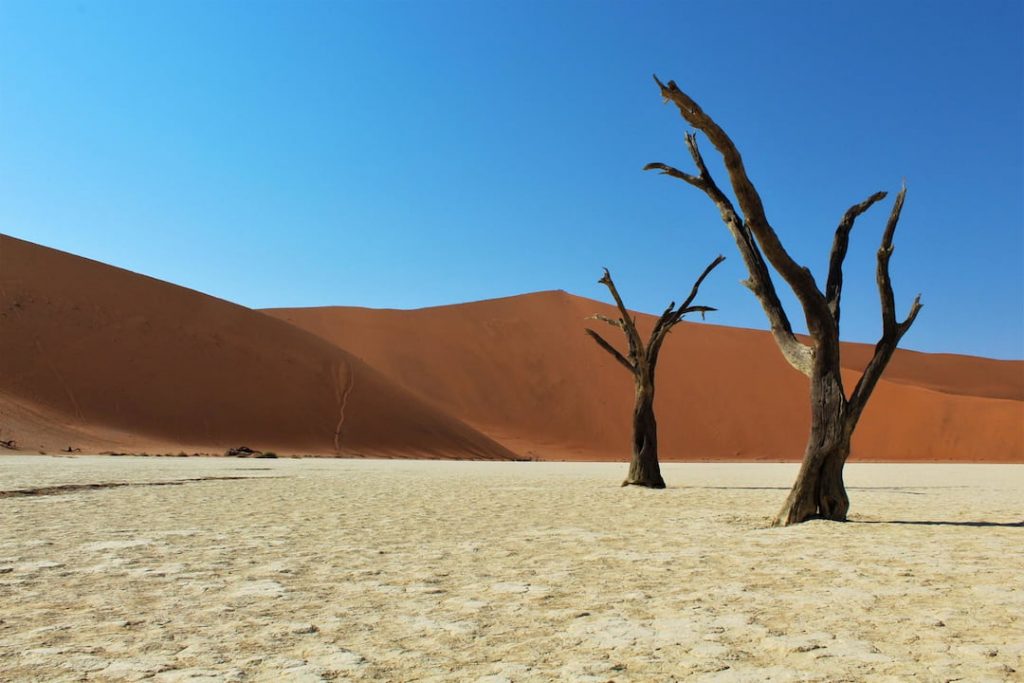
x=438, y=571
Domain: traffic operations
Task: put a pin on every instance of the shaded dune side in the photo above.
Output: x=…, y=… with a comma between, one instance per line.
x=521, y=370
x=106, y=356
x=945, y=372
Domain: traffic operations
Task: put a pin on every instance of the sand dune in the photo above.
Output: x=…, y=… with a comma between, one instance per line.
x=99, y=358
x=94, y=356
x=521, y=370
x=949, y=373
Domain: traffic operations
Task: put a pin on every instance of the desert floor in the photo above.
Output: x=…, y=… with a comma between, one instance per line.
x=308, y=570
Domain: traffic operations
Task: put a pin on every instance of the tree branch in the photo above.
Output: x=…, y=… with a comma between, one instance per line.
x=700, y=280
x=663, y=320
x=892, y=331
x=628, y=323
x=889, y=326
x=799, y=355
x=834, y=286
x=606, y=319
x=799, y=278
x=610, y=349
x=915, y=308
x=665, y=169
x=699, y=309
x=673, y=315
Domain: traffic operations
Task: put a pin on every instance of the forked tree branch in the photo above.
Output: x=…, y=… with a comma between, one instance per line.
x=684, y=308
x=799, y=355
x=892, y=331
x=672, y=315
x=834, y=286
x=889, y=324
x=799, y=278
x=675, y=173
x=636, y=347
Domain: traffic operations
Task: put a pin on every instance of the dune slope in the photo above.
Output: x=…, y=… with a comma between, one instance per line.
x=93, y=356
x=521, y=370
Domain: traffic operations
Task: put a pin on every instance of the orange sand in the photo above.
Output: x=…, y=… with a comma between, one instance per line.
x=97, y=357
x=521, y=370
x=100, y=358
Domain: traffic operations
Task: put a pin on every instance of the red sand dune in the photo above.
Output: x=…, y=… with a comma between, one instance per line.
x=96, y=357
x=100, y=358
x=521, y=370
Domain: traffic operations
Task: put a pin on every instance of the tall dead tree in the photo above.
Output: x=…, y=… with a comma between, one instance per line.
x=819, y=491
x=641, y=360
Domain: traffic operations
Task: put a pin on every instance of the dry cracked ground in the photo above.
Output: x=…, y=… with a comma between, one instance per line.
x=310, y=570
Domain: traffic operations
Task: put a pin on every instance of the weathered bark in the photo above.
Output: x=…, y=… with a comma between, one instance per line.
x=819, y=491
x=644, y=469
x=641, y=360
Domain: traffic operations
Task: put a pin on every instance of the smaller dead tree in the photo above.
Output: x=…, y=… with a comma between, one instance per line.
x=641, y=360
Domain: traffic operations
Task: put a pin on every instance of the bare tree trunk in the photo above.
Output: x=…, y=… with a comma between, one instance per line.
x=819, y=492
x=643, y=467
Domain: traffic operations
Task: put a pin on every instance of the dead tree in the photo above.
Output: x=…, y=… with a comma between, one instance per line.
x=641, y=360
x=819, y=491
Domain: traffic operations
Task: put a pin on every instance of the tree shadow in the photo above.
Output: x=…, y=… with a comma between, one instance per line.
x=734, y=488
x=906, y=490
x=1018, y=525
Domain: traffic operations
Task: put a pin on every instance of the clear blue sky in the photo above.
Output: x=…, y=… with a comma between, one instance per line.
x=402, y=155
